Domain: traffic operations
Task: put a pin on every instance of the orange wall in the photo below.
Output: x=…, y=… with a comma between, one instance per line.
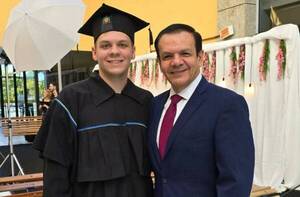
x=199, y=13
x=5, y=7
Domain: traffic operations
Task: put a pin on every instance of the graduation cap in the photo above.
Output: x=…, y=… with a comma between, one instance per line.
x=108, y=18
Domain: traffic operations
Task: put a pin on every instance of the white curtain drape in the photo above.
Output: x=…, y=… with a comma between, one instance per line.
x=155, y=82
x=274, y=104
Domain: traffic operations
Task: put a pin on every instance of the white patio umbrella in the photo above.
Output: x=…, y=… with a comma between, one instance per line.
x=40, y=32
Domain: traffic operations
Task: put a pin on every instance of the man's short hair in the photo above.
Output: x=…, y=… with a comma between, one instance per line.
x=177, y=28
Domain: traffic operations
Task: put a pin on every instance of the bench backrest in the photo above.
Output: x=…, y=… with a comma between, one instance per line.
x=19, y=185
x=28, y=125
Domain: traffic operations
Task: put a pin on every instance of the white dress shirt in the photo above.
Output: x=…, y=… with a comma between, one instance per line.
x=186, y=95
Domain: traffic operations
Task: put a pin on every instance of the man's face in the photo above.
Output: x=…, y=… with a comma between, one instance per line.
x=178, y=59
x=113, y=51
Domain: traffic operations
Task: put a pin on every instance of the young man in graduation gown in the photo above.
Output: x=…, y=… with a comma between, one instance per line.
x=93, y=139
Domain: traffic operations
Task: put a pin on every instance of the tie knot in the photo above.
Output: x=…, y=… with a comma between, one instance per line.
x=175, y=99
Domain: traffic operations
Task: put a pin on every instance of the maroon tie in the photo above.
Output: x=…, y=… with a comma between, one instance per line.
x=167, y=124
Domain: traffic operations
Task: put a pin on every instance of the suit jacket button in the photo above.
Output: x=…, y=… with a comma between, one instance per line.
x=165, y=181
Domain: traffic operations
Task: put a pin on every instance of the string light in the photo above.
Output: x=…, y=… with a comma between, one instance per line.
x=222, y=83
x=249, y=90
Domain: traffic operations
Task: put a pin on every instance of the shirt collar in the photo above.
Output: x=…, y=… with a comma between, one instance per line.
x=187, y=92
x=101, y=91
x=133, y=92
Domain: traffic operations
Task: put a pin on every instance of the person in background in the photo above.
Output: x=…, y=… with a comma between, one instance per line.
x=48, y=96
x=93, y=138
x=200, y=135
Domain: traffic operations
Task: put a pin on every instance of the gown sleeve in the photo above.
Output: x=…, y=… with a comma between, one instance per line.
x=56, y=180
x=56, y=141
x=56, y=137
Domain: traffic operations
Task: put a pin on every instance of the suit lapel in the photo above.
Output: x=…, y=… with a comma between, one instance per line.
x=158, y=108
x=193, y=104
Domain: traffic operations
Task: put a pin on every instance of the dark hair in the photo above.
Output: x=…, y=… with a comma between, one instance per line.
x=177, y=28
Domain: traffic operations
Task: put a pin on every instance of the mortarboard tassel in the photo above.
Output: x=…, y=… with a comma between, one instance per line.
x=150, y=39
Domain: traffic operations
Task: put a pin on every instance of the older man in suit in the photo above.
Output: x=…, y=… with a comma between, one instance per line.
x=200, y=137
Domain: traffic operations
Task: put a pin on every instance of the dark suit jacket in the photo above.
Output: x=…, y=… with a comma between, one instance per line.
x=210, y=151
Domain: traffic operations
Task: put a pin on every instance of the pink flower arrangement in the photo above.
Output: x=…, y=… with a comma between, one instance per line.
x=212, y=72
x=145, y=72
x=132, y=71
x=233, y=73
x=205, y=66
x=241, y=62
x=281, y=60
x=263, y=66
x=155, y=73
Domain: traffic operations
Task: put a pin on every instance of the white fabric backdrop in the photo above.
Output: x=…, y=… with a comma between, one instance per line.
x=274, y=105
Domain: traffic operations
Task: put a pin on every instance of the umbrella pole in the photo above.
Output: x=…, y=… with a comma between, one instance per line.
x=59, y=75
x=11, y=153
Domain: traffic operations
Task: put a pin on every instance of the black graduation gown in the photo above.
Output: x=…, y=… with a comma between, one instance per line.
x=93, y=142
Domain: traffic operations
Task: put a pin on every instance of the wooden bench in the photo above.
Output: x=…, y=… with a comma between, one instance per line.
x=28, y=125
x=30, y=185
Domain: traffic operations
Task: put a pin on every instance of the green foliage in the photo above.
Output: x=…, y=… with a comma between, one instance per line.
x=267, y=55
x=283, y=48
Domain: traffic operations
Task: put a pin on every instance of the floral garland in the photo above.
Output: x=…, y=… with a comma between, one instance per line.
x=156, y=72
x=151, y=76
x=205, y=66
x=233, y=73
x=241, y=62
x=132, y=72
x=212, y=73
x=281, y=59
x=145, y=72
x=263, y=65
